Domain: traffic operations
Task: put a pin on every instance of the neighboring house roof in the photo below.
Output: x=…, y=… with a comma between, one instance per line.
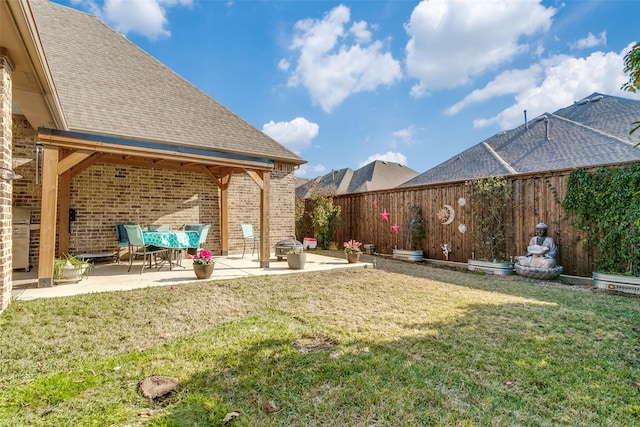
x=377, y=175
x=592, y=131
x=109, y=86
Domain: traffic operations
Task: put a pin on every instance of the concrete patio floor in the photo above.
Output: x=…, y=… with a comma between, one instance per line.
x=109, y=276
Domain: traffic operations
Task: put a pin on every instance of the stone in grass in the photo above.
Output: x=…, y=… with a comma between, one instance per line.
x=157, y=386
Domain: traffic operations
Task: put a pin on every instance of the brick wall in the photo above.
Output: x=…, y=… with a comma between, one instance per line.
x=5, y=187
x=105, y=194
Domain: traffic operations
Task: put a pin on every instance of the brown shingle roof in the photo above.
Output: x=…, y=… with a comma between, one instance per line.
x=109, y=86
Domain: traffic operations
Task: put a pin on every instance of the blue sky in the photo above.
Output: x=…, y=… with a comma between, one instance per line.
x=414, y=82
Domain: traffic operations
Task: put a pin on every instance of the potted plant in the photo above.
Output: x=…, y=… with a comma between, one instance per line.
x=415, y=231
x=296, y=259
x=70, y=269
x=203, y=264
x=606, y=209
x=352, y=250
x=491, y=198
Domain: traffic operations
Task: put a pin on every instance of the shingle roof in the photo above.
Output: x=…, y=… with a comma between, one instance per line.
x=592, y=131
x=377, y=175
x=109, y=86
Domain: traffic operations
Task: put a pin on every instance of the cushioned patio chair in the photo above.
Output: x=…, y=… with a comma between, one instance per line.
x=137, y=247
x=121, y=237
x=248, y=234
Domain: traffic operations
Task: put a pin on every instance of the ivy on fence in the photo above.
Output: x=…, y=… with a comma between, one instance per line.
x=606, y=205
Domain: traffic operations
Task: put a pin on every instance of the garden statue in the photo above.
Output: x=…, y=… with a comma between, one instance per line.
x=540, y=260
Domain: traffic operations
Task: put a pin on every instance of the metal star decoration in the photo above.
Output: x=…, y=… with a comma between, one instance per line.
x=375, y=203
x=385, y=215
x=394, y=228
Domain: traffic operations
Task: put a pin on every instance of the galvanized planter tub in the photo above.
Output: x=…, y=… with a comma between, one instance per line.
x=499, y=268
x=615, y=282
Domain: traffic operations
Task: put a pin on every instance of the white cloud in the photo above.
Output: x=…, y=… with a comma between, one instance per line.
x=389, y=156
x=591, y=41
x=564, y=80
x=454, y=40
x=295, y=135
x=509, y=82
x=283, y=65
x=316, y=170
x=331, y=66
x=144, y=17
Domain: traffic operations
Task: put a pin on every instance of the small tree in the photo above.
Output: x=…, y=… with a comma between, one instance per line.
x=325, y=217
x=491, y=199
x=415, y=227
x=632, y=67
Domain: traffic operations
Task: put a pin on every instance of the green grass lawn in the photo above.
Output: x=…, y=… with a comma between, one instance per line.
x=402, y=345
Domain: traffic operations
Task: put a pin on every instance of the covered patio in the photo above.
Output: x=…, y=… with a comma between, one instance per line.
x=109, y=276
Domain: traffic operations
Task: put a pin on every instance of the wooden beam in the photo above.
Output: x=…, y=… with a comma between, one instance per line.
x=64, y=188
x=48, y=216
x=210, y=174
x=85, y=164
x=71, y=160
x=225, y=180
x=155, y=153
x=265, y=219
x=256, y=178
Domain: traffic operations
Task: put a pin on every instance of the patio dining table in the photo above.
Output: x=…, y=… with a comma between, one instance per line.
x=172, y=240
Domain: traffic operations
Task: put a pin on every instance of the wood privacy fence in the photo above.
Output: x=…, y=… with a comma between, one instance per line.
x=537, y=198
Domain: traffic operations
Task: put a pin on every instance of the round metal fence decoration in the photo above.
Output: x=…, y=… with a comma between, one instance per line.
x=462, y=228
x=462, y=201
x=446, y=214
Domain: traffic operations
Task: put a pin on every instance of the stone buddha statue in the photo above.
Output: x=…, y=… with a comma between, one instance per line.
x=540, y=259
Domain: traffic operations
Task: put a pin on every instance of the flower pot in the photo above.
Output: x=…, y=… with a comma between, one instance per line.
x=73, y=273
x=499, y=268
x=615, y=282
x=353, y=257
x=407, y=255
x=203, y=271
x=296, y=261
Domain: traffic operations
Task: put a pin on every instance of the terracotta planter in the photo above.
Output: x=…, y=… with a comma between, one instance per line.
x=614, y=282
x=203, y=271
x=296, y=261
x=500, y=268
x=353, y=257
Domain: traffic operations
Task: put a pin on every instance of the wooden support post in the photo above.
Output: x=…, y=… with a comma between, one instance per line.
x=265, y=219
x=224, y=212
x=48, y=216
x=64, y=194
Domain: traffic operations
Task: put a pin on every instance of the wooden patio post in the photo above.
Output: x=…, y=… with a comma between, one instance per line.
x=224, y=212
x=48, y=216
x=265, y=219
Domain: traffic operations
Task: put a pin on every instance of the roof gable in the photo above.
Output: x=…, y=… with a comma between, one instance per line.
x=592, y=131
x=109, y=86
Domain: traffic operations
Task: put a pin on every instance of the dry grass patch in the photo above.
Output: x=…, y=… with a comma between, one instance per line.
x=402, y=345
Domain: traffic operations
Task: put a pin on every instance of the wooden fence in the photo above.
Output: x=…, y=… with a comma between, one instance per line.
x=537, y=198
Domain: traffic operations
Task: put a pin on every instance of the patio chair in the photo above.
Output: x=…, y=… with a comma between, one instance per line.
x=158, y=227
x=193, y=227
x=247, y=234
x=134, y=234
x=203, y=235
x=121, y=237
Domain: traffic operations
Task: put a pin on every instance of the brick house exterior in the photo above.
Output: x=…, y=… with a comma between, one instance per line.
x=168, y=154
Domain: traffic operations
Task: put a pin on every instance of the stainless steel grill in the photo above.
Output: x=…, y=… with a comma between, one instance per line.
x=283, y=246
x=21, y=230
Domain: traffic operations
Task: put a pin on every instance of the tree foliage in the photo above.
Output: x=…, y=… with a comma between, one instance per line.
x=632, y=67
x=491, y=200
x=325, y=217
x=607, y=210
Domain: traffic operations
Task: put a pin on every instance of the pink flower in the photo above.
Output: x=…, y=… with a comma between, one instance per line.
x=203, y=257
x=352, y=246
